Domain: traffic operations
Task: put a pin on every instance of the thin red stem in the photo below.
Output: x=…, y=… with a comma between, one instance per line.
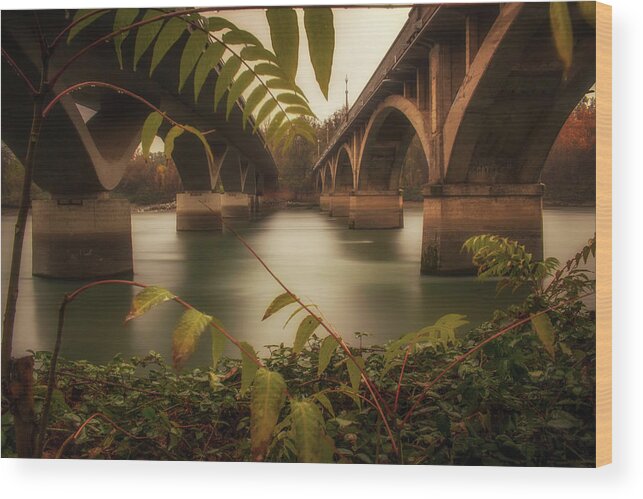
x=399, y=382
x=19, y=71
x=60, y=35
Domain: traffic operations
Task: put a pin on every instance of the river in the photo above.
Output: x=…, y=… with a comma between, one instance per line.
x=363, y=281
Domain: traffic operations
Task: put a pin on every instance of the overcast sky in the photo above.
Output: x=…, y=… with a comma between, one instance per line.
x=362, y=37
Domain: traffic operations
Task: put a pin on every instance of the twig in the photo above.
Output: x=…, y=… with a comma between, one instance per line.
x=19, y=71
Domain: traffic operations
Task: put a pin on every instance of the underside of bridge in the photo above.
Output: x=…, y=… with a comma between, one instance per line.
x=484, y=91
x=88, y=139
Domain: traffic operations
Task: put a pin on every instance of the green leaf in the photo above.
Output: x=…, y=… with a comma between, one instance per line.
x=257, y=53
x=207, y=63
x=150, y=129
x=146, y=299
x=206, y=145
x=320, y=32
x=219, y=23
x=84, y=23
x=265, y=111
x=218, y=345
x=325, y=402
x=308, y=430
x=354, y=373
x=284, y=34
x=124, y=17
x=561, y=28
x=290, y=317
x=225, y=78
x=588, y=11
x=292, y=99
x=326, y=350
x=171, y=136
x=305, y=329
x=248, y=367
x=300, y=111
x=146, y=34
x=169, y=35
x=268, y=397
x=266, y=69
x=237, y=88
x=240, y=36
x=192, y=51
x=256, y=96
x=545, y=331
x=186, y=335
x=277, y=304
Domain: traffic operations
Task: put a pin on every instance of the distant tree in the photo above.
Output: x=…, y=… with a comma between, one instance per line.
x=151, y=181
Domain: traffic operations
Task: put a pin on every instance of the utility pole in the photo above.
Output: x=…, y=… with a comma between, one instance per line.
x=346, y=92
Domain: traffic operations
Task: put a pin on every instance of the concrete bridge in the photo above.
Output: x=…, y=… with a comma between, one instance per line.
x=88, y=139
x=483, y=89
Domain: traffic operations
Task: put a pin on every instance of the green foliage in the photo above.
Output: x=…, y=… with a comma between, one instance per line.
x=326, y=350
x=193, y=50
x=186, y=334
x=309, y=433
x=123, y=18
x=284, y=34
x=169, y=35
x=87, y=19
x=268, y=397
x=150, y=129
x=561, y=28
x=304, y=331
x=321, y=43
x=146, y=299
x=249, y=366
x=278, y=303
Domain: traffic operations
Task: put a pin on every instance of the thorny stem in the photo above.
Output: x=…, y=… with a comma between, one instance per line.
x=491, y=338
x=19, y=71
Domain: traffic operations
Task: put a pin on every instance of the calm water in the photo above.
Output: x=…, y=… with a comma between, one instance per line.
x=365, y=281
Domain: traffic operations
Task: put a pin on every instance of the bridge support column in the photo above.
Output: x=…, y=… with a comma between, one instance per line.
x=339, y=204
x=453, y=213
x=324, y=202
x=237, y=205
x=376, y=210
x=82, y=238
x=198, y=210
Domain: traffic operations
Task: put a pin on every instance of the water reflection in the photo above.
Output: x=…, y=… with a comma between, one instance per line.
x=365, y=281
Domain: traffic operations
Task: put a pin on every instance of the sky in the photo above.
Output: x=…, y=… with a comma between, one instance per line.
x=362, y=37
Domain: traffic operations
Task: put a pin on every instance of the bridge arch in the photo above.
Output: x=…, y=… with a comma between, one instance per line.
x=343, y=178
x=388, y=134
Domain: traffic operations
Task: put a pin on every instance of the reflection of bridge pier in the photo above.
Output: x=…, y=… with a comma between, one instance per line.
x=483, y=94
x=82, y=238
x=453, y=213
x=338, y=204
x=198, y=210
x=376, y=210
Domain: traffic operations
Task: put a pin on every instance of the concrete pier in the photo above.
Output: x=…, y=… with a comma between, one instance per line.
x=339, y=204
x=82, y=238
x=198, y=210
x=324, y=202
x=237, y=205
x=453, y=213
x=376, y=210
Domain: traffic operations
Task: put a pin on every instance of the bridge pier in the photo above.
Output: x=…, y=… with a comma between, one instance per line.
x=237, y=205
x=339, y=204
x=453, y=213
x=198, y=210
x=376, y=210
x=324, y=202
x=84, y=238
